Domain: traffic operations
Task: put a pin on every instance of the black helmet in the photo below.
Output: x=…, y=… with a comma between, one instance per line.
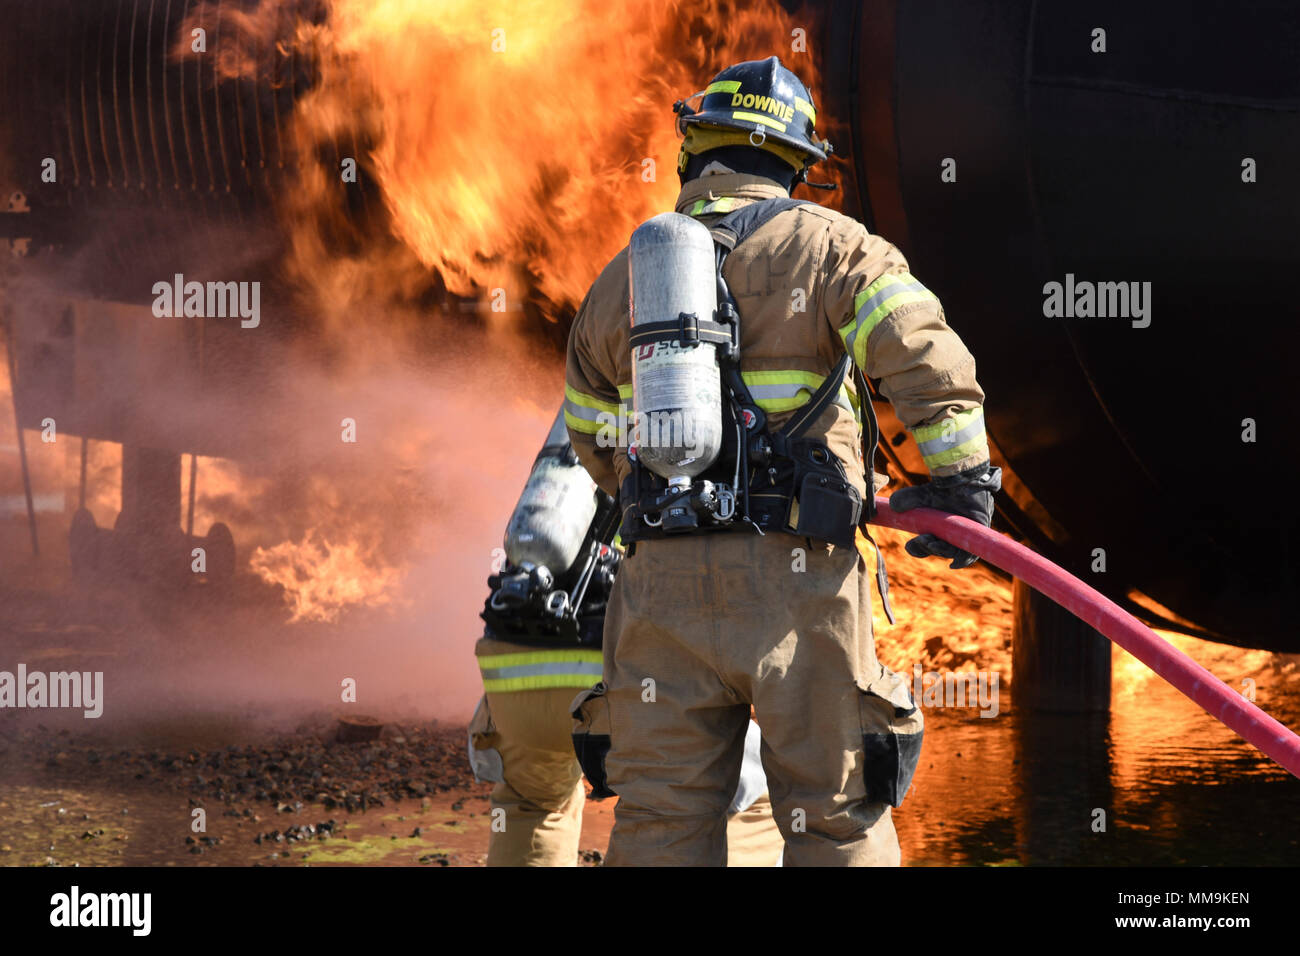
x=764, y=100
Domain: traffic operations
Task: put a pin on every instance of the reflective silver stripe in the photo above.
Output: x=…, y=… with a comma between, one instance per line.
x=888, y=292
x=581, y=411
x=850, y=340
x=945, y=442
x=770, y=392
x=537, y=670
x=767, y=393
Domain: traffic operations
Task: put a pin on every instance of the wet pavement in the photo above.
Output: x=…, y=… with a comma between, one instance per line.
x=1013, y=790
x=214, y=709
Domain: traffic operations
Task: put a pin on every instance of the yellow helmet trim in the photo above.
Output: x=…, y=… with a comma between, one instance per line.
x=701, y=138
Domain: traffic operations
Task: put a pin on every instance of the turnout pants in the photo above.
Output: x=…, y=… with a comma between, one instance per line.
x=521, y=739
x=699, y=629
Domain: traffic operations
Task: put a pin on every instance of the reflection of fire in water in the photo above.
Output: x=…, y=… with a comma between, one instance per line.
x=320, y=579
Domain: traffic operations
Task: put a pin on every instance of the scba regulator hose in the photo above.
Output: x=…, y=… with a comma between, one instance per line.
x=1190, y=678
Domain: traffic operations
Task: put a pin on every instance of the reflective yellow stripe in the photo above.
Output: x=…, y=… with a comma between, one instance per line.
x=548, y=656
x=586, y=413
x=759, y=118
x=536, y=670
x=722, y=86
x=775, y=392
x=787, y=389
x=538, y=682
x=952, y=439
x=874, y=304
x=588, y=401
x=925, y=433
x=704, y=207
x=804, y=107
x=976, y=447
x=580, y=424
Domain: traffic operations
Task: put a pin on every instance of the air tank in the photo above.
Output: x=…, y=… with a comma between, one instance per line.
x=676, y=387
x=556, y=508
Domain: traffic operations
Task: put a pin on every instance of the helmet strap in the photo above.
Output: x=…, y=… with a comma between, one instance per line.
x=802, y=180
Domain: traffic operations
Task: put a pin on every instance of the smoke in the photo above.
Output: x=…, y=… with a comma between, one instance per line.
x=386, y=476
x=364, y=559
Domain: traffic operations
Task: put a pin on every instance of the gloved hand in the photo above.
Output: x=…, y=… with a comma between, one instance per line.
x=968, y=493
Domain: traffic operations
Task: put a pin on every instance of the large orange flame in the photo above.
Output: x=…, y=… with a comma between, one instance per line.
x=505, y=151
x=515, y=143
x=528, y=139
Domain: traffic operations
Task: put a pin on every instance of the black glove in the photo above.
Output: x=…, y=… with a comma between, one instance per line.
x=968, y=493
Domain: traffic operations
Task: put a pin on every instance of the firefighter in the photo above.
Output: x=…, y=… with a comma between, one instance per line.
x=544, y=618
x=713, y=615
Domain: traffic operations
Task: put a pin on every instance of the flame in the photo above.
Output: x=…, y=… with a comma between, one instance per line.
x=944, y=620
x=320, y=579
x=54, y=467
x=505, y=150
x=1240, y=667
x=513, y=136
x=515, y=143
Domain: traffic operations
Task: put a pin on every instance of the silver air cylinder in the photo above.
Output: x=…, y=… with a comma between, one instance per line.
x=676, y=390
x=557, y=506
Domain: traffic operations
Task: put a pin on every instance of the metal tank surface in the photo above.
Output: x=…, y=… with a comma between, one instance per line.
x=555, y=510
x=676, y=389
x=1142, y=415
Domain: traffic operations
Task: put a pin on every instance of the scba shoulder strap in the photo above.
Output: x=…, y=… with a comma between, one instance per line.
x=728, y=232
x=735, y=227
x=782, y=481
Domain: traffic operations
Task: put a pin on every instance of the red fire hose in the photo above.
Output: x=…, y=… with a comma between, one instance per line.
x=1256, y=727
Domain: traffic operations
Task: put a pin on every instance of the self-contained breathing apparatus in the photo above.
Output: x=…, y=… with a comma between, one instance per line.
x=560, y=563
x=683, y=480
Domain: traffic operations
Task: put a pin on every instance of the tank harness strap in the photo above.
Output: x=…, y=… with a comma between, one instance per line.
x=688, y=328
x=578, y=625
x=870, y=437
x=882, y=575
x=728, y=232
x=812, y=409
x=807, y=492
x=735, y=227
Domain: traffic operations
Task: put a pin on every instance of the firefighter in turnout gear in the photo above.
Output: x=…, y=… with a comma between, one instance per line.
x=542, y=643
x=742, y=586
